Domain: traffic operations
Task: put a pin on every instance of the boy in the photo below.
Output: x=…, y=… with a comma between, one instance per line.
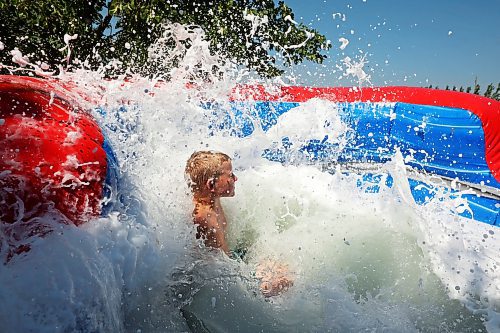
x=210, y=176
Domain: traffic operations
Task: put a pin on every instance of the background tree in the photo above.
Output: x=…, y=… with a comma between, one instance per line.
x=489, y=90
x=259, y=34
x=37, y=28
x=496, y=94
x=477, y=87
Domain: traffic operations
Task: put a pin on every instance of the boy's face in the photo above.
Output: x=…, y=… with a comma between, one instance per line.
x=224, y=184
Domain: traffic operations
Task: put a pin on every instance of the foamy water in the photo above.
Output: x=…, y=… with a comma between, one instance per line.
x=360, y=261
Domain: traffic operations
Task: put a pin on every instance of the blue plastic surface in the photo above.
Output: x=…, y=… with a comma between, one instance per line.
x=447, y=142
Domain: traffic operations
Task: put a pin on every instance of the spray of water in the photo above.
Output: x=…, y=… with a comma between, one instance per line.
x=360, y=260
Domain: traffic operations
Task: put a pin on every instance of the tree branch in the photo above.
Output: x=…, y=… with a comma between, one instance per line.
x=104, y=24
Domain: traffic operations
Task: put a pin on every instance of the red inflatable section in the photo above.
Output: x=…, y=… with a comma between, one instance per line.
x=50, y=153
x=486, y=109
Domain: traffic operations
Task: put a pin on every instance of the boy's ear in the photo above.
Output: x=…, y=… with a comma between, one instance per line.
x=211, y=184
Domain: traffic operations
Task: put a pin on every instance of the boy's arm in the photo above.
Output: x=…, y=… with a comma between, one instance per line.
x=210, y=231
x=275, y=278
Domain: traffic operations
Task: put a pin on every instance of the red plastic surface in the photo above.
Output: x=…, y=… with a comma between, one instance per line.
x=50, y=153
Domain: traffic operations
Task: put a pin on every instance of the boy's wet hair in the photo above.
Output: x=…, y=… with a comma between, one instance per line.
x=202, y=166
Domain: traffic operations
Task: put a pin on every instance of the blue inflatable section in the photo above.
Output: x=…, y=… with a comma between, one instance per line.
x=111, y=183
x=447, y=142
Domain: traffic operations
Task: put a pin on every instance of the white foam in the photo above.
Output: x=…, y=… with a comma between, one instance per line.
x=344, y=42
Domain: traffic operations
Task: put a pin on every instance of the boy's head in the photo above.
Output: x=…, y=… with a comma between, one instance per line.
x=210, y=172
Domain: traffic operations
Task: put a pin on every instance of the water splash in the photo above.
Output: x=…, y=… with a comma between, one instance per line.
x=361, y=261
x=355, y=69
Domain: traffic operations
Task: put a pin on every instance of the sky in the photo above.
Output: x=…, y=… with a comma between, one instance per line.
x=411, y=43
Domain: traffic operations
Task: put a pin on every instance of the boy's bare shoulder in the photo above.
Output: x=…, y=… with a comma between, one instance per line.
x=203, y=214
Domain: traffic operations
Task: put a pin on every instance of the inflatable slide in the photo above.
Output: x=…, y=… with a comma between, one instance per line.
x=54, y=153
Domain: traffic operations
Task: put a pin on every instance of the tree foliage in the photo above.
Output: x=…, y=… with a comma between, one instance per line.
x=259, y=34
x=496, y=94
x=490, y=91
